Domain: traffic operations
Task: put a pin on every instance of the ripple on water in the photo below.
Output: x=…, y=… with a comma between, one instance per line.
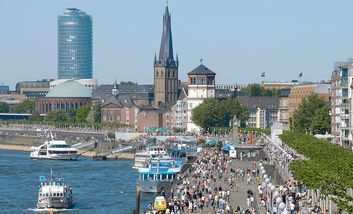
x=98, y=186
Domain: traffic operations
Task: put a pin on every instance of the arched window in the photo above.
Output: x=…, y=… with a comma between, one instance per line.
x=157, y=73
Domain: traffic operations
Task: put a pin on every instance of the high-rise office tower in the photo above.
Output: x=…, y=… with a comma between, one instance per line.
x=74, y=45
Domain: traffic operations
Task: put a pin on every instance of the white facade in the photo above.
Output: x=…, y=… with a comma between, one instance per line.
x=180, y=114
x=201, y=85
x=196, y=95
x=341, y=103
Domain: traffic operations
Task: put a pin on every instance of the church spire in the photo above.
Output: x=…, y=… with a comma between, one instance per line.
x=166, y=50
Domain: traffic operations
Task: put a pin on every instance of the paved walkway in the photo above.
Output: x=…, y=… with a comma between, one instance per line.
x=216, y=184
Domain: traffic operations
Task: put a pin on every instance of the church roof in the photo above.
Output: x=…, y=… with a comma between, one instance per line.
x=166, y=50
x=69, y=88
x=201, y=70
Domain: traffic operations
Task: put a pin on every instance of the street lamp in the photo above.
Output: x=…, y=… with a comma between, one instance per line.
x=267, y=180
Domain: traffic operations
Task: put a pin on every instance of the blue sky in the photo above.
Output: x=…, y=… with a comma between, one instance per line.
x=237, y=39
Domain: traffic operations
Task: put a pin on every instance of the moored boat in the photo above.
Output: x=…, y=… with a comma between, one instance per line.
x=159, y=173
x=141, y=158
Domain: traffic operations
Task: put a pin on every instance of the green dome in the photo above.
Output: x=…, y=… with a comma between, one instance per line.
x=70, y=88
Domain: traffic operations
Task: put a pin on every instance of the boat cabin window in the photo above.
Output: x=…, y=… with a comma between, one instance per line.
x=60, y=146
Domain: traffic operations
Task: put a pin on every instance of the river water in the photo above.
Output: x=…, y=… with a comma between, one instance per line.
x=98, y=186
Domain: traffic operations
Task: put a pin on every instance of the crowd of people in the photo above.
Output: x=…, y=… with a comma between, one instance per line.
x=208, y=186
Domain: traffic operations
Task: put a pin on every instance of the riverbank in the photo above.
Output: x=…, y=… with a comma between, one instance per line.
x=27, y=148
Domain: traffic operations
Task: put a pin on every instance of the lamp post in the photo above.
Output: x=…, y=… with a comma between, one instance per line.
x=269, y=185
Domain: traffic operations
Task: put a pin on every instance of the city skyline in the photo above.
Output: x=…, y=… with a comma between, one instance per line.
x=281, y=39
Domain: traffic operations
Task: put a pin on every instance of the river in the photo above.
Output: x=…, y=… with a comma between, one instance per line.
x=98, y=186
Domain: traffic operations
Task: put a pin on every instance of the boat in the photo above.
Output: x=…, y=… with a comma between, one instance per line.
x=158, y=174
x=54, y=150
x=141, y=158
x=54, y=193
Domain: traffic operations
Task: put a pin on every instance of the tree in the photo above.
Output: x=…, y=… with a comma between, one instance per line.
x=26, y=106
x=256, y=90
x=217, y=113
x=82, y=113
x=57, y=116
x=4, y=108
x=326, y=166
x=35, y=116
x=312, y=116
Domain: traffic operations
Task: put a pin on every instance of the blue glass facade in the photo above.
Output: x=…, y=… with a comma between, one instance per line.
x=74, y=45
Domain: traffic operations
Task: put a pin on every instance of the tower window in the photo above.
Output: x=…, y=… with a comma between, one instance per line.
x=157, y=73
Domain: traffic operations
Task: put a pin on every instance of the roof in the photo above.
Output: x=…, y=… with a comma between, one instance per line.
x=201, y=69
x=33, y=84
x=166, y=50
x=69, y=88
x=259, y=102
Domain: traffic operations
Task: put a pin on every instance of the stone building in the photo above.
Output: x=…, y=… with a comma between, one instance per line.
x=67, y=96
x=33, y=89
x=165, y=67
x=201, y=85
x=263, y=110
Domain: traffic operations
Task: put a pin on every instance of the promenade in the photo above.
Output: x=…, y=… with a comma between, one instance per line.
x=215, y=184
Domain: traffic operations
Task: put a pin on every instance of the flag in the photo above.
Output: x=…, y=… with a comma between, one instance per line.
x=263, y=74
x=301, y=74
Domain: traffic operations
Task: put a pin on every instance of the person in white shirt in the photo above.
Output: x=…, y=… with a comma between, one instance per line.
x=292, y=208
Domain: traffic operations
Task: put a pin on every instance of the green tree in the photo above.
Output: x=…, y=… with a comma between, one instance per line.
x=57, y=116
x=26, y=106
x=82, y=113
x=312, y=116
x=35, y=116
x=217, y=113
x=256, y=90
x=71, y=115
x=4, y=108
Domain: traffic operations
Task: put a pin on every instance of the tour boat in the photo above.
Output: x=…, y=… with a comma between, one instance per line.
x=55, y=150
x=158, y=174
x=141, y=158
x=54, y=193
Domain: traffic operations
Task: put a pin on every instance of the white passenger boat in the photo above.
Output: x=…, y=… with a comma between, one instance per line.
x=160, y=172
x=55, y=150
x=141, y=158
x=54, y=193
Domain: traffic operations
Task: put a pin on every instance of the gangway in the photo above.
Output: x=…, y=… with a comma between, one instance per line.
x=83, y=144
x=116, y=150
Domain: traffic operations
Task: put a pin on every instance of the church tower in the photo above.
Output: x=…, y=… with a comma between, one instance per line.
x=165, y=67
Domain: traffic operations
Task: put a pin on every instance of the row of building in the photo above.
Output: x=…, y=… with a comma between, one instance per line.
x=166, y=103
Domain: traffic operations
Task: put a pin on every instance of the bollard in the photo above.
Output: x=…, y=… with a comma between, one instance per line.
x=138, y=194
